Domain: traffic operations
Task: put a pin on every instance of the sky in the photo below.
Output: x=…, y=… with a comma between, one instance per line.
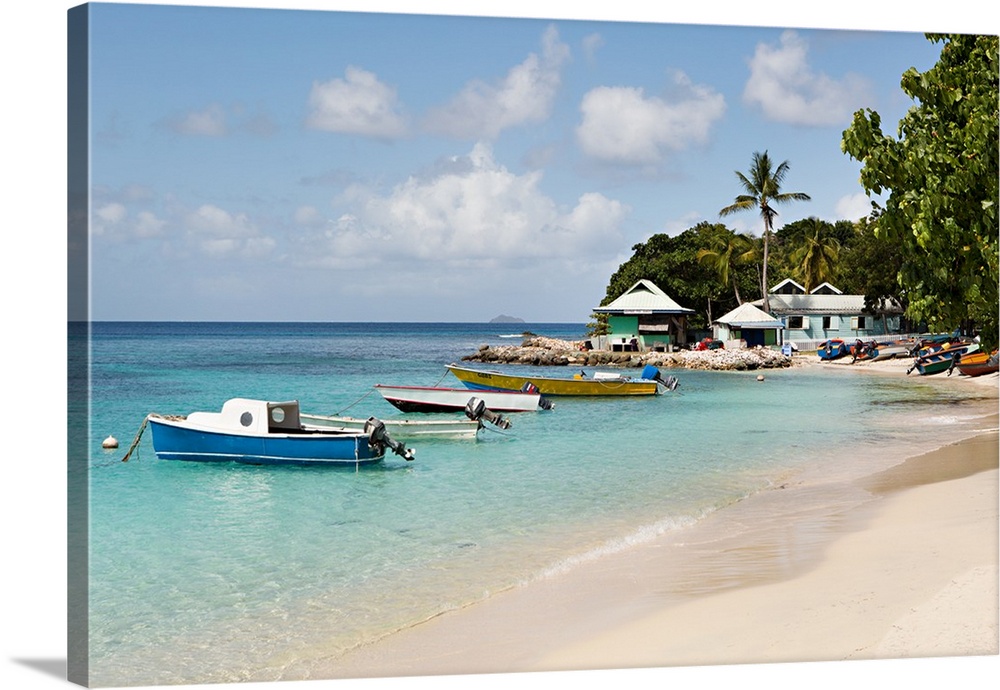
x=310, y=165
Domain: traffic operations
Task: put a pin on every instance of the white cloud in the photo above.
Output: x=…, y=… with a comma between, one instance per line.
x=111, y=213
x=853, y=207
x=524, y=96
x=148, y=225
x=217, y=121
x=784, y=87
x=309, y=216
x=472, y=211
x=357, y=104
x=676, y=226
x=218, y=233
x=210, y=122
x=591, y=44
x=623, y=125
x=112, y=220
x=106, y=220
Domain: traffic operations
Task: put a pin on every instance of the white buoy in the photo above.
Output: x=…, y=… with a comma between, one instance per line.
x=760, y=377
x=110, y=442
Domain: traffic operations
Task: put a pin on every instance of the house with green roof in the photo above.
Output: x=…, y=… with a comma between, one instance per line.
x=644, y=318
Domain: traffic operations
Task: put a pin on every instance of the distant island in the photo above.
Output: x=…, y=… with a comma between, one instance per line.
x=503, y=318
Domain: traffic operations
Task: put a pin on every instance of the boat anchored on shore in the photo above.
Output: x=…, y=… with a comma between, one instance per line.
x=937, y=358
x=976, y=363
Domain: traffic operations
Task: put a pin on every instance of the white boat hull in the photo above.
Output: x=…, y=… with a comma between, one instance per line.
x=435, y=399
x=401, y=428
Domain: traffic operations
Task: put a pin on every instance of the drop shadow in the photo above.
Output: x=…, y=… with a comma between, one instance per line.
x=50, y=667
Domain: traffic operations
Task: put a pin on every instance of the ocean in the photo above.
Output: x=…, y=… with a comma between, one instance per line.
x=209, y=573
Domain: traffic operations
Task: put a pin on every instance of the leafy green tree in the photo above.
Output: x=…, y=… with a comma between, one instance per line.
x=941, y=175
x=869, y=266
x=762, y=189
x=726, y=251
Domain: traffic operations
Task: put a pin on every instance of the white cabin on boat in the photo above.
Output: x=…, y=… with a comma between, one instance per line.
x=252, y=417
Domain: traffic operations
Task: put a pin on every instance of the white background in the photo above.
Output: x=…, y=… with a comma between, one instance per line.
x=33, y=611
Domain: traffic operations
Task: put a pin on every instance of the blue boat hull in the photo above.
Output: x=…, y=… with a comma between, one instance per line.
x=832, y=349
x=172, y=442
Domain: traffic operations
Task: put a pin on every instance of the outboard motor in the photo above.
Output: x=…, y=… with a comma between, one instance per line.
x=954, y=361
x=543, y=403
x=379, y=437
x=476, y=410
x=651, y=373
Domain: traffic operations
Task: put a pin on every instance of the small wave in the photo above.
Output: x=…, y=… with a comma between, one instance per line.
x=643, y=535
x=949, y=419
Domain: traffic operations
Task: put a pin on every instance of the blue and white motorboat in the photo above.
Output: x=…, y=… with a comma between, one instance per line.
x=267, y=433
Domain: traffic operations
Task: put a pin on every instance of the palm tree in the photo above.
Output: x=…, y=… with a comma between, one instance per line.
x=762, y=189
x=724, y=253
x=815, y=256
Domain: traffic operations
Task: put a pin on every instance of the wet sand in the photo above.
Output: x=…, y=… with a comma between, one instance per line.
x=899, y=564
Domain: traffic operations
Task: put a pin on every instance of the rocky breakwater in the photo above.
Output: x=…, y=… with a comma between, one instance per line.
x=542, y=351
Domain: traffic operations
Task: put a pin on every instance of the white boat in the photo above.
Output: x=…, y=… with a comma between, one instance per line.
x=441, y=427
x=438, y=399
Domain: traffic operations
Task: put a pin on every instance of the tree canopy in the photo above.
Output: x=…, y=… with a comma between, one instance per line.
x=941, y=175
x=673, y=264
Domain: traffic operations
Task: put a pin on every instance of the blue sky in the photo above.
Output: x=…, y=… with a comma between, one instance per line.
x=270, y=164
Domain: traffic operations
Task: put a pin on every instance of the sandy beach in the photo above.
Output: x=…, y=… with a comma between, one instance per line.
x=900, y=564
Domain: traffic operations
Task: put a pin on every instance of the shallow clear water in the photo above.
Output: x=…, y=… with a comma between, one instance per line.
x=210, y=573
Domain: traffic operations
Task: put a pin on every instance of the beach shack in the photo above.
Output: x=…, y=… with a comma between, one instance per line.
x=825, y=312
x=644, y=318
x=748, y=326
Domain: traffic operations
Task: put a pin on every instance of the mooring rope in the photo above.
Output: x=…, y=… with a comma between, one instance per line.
x=145, y=420
x=135, y=442
x=446, y=372
x=337, y=414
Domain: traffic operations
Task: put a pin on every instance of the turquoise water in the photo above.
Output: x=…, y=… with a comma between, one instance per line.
x=212, y=573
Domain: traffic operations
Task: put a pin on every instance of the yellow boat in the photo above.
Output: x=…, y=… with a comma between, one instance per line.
x=599, y=384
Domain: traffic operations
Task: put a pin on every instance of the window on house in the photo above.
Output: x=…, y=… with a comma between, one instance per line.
x=859, y=323
x=829, y=324
x=794, y=322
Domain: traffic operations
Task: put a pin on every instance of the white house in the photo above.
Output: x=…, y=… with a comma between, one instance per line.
x=750, y=325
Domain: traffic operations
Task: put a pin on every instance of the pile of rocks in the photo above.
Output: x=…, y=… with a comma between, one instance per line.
x=735, y=360
x=542, y=351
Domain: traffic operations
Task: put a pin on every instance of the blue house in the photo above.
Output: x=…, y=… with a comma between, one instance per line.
x=825, y=313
